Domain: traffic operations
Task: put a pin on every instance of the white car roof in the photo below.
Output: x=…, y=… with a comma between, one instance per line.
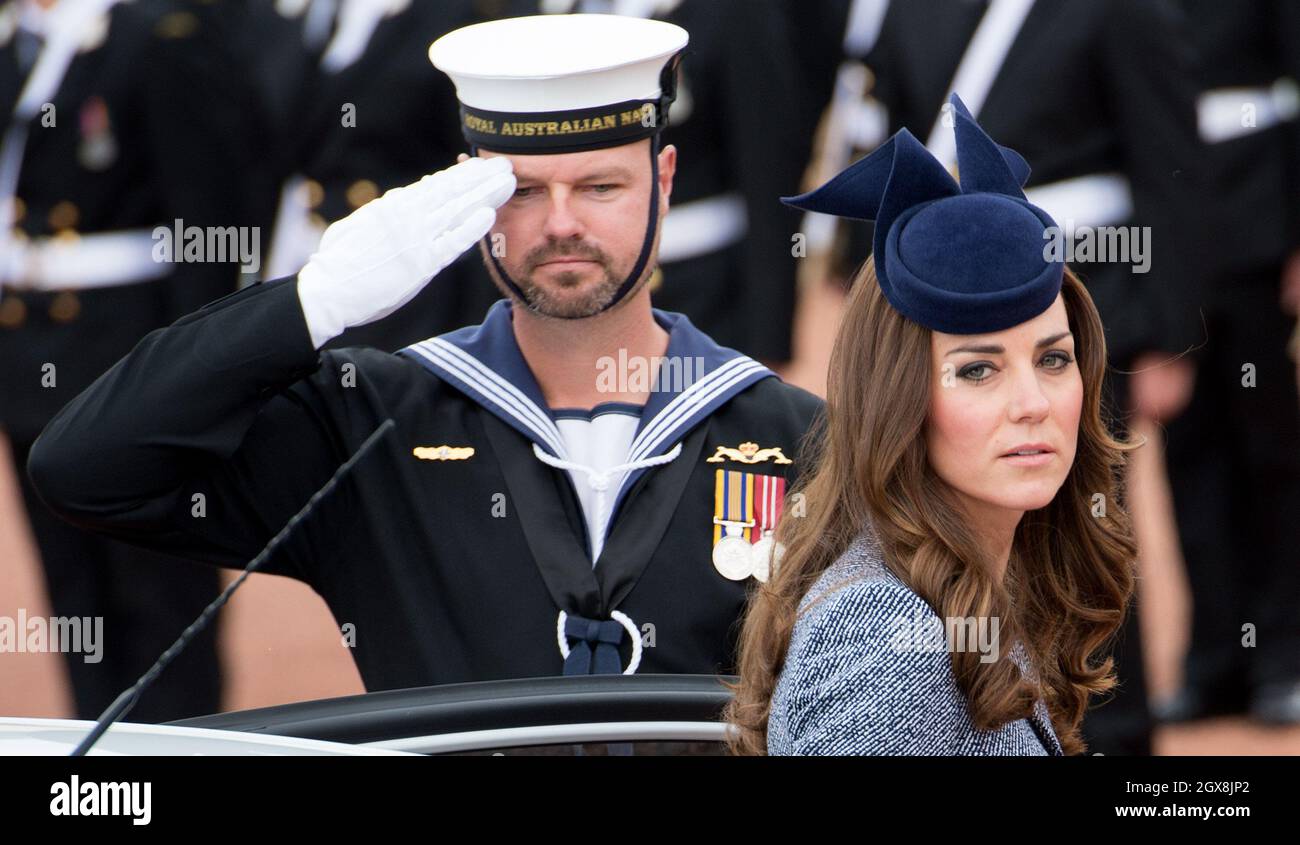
x=21, y=736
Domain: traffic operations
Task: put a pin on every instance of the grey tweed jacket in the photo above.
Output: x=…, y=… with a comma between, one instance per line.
x=852, y=685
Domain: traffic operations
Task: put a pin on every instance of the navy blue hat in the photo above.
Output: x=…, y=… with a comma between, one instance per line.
x=964, y=258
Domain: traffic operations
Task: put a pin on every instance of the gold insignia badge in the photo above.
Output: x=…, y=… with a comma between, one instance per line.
x=443, y=453
x=749, y=453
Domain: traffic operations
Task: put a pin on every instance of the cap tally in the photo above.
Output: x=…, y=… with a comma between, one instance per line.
x=561, y=83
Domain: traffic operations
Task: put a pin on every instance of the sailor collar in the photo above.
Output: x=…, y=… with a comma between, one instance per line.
x=484, y=363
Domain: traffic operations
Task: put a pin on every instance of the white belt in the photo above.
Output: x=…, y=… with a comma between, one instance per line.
x=702, y=226
x=1098, y=199
x=980, y=64
x=295, y=235
x=83, y=261
x=1222, y=113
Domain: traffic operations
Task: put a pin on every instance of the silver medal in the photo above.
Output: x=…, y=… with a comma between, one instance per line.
x=767, y=554
x=762, y=552
x=731, y=557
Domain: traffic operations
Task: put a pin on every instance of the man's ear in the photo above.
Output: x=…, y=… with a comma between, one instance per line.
x=667, y=168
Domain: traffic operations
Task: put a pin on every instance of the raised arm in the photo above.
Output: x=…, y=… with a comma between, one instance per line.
x=215, y=430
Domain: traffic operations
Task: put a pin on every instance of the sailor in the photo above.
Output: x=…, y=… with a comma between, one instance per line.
x=580, y=484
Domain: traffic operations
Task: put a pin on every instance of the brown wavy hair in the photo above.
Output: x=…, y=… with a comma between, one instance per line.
x=1070, y=574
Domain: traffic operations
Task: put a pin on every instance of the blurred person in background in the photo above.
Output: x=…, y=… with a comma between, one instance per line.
x=1100, y=97
x=118, y=118
x=1234, y=454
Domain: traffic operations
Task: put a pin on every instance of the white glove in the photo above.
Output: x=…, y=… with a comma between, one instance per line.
x=377, y=259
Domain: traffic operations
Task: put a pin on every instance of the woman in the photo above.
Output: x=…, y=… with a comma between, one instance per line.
x=966, y=483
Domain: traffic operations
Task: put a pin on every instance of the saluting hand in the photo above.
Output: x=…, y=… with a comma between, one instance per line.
x=377, y=259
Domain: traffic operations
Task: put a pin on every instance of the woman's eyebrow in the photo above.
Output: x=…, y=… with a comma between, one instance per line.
x=996, y=349
x=984, y=349
x=1048, y=341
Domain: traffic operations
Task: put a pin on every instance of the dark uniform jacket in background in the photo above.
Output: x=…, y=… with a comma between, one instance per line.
x=150, y=126
x=232, y=403
x=1256, y=210
x=402, y=124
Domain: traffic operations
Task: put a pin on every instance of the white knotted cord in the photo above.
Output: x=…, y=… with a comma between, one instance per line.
x=618, y=616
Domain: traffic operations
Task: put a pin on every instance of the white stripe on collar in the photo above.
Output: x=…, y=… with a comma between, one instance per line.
x=475, y=377
x=485, y=363
x=660, y=429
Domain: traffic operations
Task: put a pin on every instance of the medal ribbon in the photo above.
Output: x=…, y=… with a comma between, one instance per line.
x=733, y=501
x=771, y=492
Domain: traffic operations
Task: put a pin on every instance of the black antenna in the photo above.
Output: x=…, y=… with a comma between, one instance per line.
x=124, y=702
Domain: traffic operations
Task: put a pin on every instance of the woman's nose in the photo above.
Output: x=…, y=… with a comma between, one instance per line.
x=1029, y=403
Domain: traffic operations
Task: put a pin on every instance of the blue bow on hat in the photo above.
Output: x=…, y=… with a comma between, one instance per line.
x=966, y=258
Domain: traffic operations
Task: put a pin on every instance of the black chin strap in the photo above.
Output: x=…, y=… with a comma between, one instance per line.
x=647, y=243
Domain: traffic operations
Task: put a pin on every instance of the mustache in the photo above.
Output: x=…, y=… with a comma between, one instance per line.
x=542, y=254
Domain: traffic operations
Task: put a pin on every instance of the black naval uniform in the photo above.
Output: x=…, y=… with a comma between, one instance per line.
x=1083, y=90
x=452, y=566
x=1234, y=455
x=146, y=129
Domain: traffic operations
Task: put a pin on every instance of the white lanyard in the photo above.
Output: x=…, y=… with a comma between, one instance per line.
x=978, y=68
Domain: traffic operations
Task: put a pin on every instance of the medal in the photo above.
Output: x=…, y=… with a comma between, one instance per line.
x=766, y=552
x=731, y=557
x=98, y=148
x=762, y=552
x=732, y=524
x=746, y=509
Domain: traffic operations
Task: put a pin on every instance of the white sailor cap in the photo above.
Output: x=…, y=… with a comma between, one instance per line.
x=561, y=83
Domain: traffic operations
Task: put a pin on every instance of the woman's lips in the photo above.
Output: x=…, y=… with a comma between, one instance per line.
x=1037, y=459
x=1029, y=455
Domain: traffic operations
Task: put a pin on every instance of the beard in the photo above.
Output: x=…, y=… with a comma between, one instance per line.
x=564, y=297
